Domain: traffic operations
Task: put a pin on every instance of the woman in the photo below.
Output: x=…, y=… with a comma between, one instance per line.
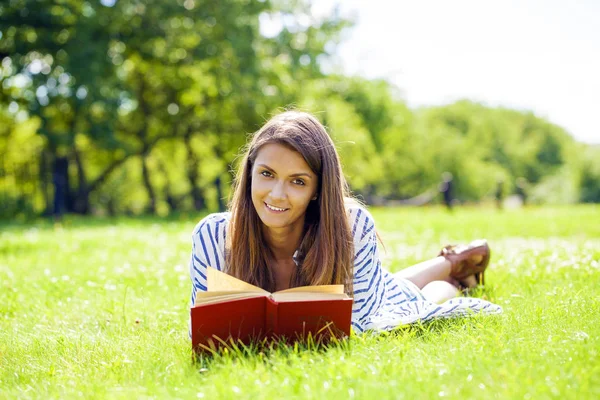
x=292, y=223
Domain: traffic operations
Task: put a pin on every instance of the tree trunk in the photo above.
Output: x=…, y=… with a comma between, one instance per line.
x=60, y=180
x=192, y=174
x=171, y=200
x=220, y=198
x=45, y=166
x=81, y=203
x=220, y=153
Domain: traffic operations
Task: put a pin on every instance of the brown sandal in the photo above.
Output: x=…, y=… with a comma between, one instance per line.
x=462, y=263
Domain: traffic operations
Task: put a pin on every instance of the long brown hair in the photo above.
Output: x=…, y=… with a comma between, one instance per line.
x=326, y=250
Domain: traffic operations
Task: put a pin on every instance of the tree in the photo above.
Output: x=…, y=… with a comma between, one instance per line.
x=109, y=83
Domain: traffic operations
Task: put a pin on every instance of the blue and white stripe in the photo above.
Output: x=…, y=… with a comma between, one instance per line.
x=382, y=300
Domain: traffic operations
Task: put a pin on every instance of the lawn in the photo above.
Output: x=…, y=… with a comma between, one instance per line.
x=98, y=308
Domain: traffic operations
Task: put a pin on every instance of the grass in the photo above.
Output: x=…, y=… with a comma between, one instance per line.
x=98, y=309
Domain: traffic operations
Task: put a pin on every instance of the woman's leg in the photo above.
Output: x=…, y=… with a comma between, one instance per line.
x=434, y=280
x=437, y=269
x=439, y=291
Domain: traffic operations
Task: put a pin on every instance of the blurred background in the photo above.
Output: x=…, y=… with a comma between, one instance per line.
x=123, y=107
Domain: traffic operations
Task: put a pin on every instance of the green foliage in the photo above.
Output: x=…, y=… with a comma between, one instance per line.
x=558, y=188
x=21, y=192
x=151, y=102
x=481, y=145
x=360, y=161
x=109, y=83
x=590, y=175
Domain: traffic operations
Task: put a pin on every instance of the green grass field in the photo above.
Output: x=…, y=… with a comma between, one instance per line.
x=99, y=309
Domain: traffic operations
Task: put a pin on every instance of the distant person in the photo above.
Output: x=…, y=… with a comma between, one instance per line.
x=447, y=190
x=291, y=222
x=521, y=189
x=499, y=194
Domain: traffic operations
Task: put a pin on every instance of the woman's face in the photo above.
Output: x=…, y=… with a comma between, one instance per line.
x=282, y=187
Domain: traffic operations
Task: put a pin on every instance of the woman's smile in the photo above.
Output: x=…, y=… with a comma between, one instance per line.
x=276, y=209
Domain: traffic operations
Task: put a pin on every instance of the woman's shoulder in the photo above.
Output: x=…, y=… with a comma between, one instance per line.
x=212, y=221
x=359, y=218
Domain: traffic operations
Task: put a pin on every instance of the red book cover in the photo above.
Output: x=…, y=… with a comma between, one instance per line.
x=232, y=311
x=254, y=319
x=320, y=319
x=236, y=319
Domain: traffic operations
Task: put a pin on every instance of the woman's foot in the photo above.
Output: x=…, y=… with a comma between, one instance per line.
x=468, y=261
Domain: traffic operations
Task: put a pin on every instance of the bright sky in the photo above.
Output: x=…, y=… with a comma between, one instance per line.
x=538, y=55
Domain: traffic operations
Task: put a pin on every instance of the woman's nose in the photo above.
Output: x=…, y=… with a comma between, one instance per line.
x=278, y=190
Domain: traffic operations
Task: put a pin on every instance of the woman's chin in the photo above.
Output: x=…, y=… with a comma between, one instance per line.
x=274, y=223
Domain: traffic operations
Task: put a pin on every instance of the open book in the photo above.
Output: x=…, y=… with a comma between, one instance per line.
x=232, y=309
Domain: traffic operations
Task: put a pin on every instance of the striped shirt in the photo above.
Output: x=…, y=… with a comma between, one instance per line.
x=382, y=300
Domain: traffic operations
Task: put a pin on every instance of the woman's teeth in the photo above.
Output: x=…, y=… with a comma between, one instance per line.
x=275, y=208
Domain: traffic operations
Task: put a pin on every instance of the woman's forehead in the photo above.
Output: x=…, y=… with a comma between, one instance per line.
x=280, y=157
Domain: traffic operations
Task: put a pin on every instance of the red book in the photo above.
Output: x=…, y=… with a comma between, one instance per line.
x=233, y=311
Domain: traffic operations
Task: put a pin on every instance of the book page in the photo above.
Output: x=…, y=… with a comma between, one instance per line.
x=282, y=297
x=315, y=289
x=220, y=281
x=203, y=298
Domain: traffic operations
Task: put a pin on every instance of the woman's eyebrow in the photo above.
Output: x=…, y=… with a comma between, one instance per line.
x=304, y=174
x=265, y=166
x=296, y=175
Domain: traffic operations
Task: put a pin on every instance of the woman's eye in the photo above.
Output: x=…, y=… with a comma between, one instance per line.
x=266, y=173
x=299, y=182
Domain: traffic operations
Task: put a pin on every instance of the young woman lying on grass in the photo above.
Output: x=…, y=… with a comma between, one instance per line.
x=291, y=222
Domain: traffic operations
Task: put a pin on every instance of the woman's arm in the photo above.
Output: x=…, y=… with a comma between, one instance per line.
x=369, y=287
x=208, y=240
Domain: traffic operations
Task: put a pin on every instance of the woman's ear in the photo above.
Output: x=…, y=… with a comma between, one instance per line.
x=315, y=197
